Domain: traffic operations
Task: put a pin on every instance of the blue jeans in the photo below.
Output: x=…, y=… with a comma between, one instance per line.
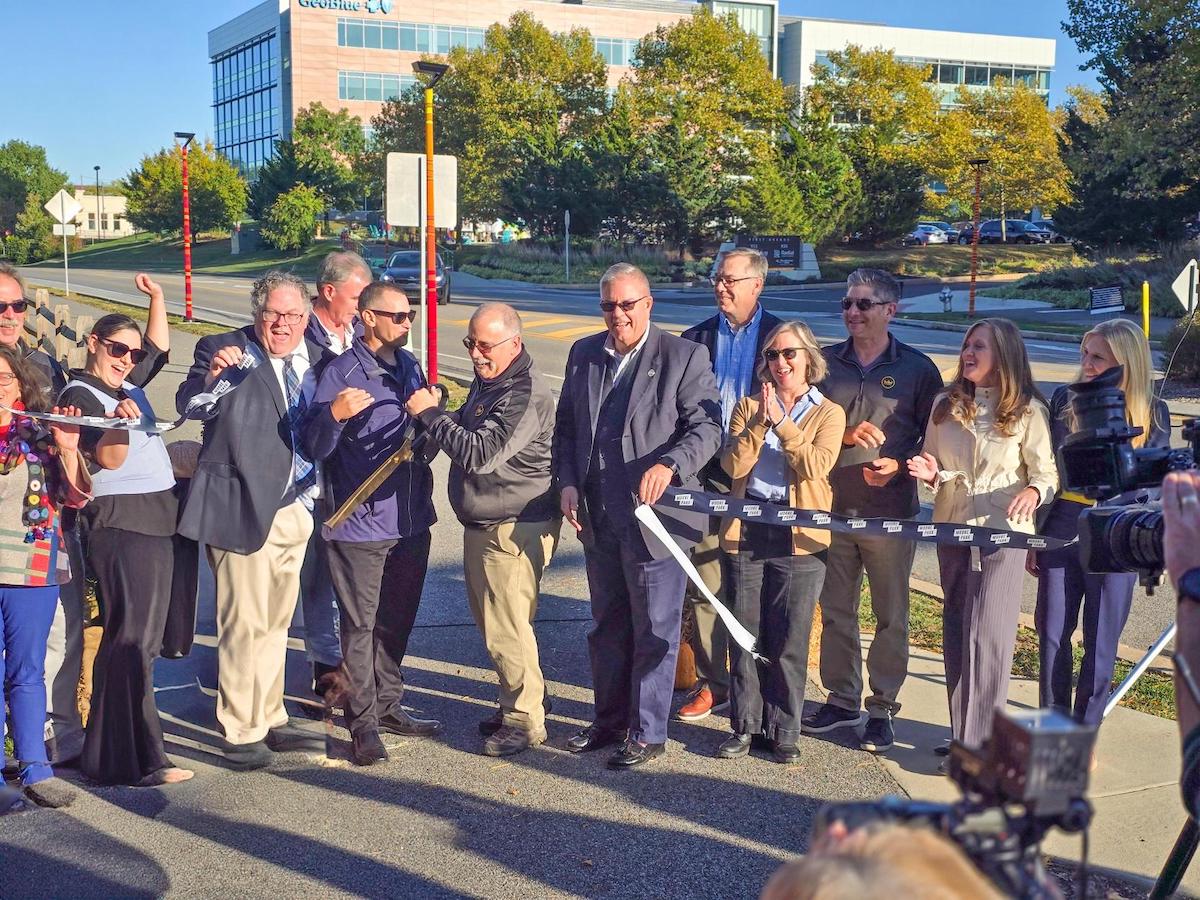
x=26, y=614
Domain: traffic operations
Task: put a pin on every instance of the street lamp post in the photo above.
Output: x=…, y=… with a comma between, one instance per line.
x=99, y=207
x=186, y=137
x=433, y=73
x=977, y=165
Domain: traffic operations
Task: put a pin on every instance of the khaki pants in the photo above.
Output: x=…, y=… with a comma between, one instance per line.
x=503, y=566
x=256, y=597
x=710, y=639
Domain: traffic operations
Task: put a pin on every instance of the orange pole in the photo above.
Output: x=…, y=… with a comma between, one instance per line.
x=974, y=247
x=187, y=242
x=430, y=243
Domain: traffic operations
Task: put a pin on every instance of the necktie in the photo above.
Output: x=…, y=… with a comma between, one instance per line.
x=304, y=473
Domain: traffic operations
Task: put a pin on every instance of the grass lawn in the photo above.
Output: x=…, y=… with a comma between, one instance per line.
x=942, y=261
x=1065, y=298
x=963, y=319
x=210, y=256
x=1153, y=693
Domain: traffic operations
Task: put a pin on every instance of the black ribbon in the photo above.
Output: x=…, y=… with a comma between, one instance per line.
x=948, y=533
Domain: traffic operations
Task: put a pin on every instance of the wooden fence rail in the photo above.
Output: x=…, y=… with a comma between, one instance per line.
x=56, y=332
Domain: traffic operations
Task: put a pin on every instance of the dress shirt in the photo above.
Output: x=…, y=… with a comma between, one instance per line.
x=735, y=361
x=769, y=477
x=624, y=360
x=302, y=366
x=340, y=340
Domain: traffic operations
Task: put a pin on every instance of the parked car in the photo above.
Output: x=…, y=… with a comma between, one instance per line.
x=924, y=235
x=404, y=268
x=1016, y=231
x=951, y=231
x=1056, y=236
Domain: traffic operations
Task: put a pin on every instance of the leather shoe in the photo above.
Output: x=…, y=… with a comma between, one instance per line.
x=292, y=737
x=735, y=746
x=368, y=748
x=593, y=737
x=494, y=722
x=245, y=757
x=634, y=754
x=785, y=753
x=398, y=721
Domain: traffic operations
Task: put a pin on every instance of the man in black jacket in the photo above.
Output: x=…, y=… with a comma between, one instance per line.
x=499, y=447
x=734, y=338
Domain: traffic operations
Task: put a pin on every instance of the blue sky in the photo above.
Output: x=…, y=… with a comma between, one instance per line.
x=104, y=82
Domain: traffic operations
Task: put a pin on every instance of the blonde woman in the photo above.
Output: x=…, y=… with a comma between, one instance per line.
x=783, y=445
x=989, y=460
x=1063, y=586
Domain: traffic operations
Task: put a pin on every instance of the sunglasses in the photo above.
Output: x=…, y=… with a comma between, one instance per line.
x=117, y=350
x=397, y=317
x=862, y=303
x=472, y=344
x=626, y=305
x=788, y=353
x=17, y=306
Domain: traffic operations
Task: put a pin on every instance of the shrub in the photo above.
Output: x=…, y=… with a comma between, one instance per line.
x=1182, y=348
x=542, y=264
x=291, y=222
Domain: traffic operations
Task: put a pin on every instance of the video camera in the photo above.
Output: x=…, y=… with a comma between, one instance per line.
x=1030, y=776
x=1099, y=461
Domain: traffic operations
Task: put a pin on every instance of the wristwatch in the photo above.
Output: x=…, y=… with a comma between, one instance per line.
x=1189, y=585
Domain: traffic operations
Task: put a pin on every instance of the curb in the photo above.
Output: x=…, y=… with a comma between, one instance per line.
x=1125, y=653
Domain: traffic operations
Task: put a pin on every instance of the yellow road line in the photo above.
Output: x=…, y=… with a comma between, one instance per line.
x=566, y=333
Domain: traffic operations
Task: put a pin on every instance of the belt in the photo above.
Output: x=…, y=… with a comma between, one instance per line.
x=1076, y=498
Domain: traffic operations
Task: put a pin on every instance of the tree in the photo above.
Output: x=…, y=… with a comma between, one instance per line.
x=806, y=186
x=278, y=175
x=496, y=99
x=154, y=191
x=328, y=148
x=24, y=171
x=291, y=221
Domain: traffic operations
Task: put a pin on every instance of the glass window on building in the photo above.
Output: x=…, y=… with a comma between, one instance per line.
x=995, y=71
x=1027, y=77
x=950, y=73
x=104, y=221
x=354, y=33
x=755, y=18
x=977, y=76
x=92, y=218
x=117, y=221
x=821, y=58
x=391, y=36
x=372, y=36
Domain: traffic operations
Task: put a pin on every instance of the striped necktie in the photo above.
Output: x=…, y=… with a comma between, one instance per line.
x=304, y=473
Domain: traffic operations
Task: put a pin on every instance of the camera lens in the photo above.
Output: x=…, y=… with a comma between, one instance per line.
x=1135, y=539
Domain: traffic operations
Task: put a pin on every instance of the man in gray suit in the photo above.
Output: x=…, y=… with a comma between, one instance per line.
x=639, y=410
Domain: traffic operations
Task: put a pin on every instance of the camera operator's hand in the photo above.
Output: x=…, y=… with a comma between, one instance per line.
x=1181, y=522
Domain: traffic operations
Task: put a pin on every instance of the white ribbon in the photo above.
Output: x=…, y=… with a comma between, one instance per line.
x=737, y=631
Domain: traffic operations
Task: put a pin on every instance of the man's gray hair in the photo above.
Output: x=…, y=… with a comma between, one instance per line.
x=11, y=271
x=506, y=314
x=757, y=262
x=339, y=265
x=883, y=284
x=273, y=280
x=622, y=270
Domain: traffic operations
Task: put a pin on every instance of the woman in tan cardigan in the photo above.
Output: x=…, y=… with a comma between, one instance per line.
x=782, y=446
x=988, y=458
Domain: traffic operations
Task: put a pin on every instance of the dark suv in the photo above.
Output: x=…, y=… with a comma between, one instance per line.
x=1018, y=231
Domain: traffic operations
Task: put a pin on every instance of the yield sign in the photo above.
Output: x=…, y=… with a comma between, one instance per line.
x=1185, y=286
x=63, y=206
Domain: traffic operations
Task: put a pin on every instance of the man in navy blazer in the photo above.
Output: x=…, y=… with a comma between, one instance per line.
x=250, y=502
x=638, y=411
x=734, y=337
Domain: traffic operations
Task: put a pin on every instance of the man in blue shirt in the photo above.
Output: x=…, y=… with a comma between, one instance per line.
x=734, y=338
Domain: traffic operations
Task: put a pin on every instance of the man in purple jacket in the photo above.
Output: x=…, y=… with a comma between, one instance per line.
x=378, y=556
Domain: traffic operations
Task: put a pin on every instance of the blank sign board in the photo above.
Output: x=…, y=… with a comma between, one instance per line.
x=406, y=184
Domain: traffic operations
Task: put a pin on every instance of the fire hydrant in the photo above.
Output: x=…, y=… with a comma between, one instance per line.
x=947, y=298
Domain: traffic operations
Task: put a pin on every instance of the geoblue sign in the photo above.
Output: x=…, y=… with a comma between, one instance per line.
x=382, y=7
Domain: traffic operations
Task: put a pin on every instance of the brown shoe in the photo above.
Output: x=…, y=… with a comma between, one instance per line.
x=510, y=740
x=698, y=706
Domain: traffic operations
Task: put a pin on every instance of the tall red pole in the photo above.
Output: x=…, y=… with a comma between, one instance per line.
x=187, y=240
x=974, y=244
x=430, y=242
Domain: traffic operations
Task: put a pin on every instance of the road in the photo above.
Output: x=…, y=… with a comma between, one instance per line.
x=554, y=318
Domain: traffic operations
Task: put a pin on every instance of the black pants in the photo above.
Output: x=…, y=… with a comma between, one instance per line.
x=773, y=593
x=124, y=740
x=378, y=585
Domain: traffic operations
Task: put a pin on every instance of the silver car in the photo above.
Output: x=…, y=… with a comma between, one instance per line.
x=924, y=235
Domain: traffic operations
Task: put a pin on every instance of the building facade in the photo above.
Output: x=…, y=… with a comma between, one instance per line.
x=281, y=55
x=102, y=217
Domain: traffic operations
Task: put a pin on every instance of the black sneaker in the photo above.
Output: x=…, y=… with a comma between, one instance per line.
x=828, y=718
x=878, y=736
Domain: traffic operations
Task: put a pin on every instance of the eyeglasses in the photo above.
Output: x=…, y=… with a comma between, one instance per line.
x=7, y=378
x=788, y=353
x=729, y=282
x=485, y=348
x=118, y=350
x=862, y=303
x=271, y=316
x=626, y=305
x=17, y=306
x=397, y=317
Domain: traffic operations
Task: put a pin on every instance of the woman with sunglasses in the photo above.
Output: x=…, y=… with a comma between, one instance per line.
x=989, y=460
x=782, y=446
x=127, y=534
x=1063, y=586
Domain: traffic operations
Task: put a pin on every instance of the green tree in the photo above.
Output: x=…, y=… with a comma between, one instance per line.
x=495, y=102
x=291, y=222
x=24, y=171
x=278, y=175
x=154, y=191
x=329, y=147
x=622, y=182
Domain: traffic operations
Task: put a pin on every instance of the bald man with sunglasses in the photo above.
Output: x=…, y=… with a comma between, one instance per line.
x=887, y=389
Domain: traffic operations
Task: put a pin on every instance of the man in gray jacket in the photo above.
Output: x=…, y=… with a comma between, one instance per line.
x=499, y=446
